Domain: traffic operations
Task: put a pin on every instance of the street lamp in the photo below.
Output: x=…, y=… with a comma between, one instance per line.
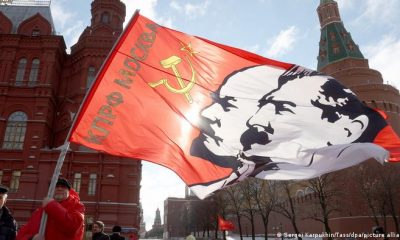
x=280, y=225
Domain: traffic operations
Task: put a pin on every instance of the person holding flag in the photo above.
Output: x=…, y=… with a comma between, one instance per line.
x=65, y=216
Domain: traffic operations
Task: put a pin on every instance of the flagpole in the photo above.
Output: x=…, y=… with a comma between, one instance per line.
x=66, y=144
x=52, y=186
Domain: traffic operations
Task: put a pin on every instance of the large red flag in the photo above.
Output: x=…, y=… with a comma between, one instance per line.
x=225, y=225
x=215, y=114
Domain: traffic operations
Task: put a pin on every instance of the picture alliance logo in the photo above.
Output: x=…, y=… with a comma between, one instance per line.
x=337, y=235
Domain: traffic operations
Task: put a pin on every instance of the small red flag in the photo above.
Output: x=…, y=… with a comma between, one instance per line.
x=225, y=225
x=215, y=114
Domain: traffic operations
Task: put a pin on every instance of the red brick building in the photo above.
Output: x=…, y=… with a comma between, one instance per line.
x=41, y=89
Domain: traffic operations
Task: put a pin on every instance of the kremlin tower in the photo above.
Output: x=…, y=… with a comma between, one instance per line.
x=340, y=57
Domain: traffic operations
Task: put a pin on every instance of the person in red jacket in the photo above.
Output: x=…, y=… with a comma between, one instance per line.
x=65, y=216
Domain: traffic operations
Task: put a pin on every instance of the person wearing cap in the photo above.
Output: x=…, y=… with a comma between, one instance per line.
x=65, y=216
x=8, y=225
x=98, y=231
x=116, y=233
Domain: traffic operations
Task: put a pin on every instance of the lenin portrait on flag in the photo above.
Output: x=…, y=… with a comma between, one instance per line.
x=269, y=121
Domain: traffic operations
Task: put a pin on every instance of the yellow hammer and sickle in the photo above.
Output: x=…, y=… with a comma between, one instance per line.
x=172, y=62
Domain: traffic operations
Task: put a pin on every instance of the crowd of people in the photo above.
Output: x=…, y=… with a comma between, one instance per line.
x=65, y=219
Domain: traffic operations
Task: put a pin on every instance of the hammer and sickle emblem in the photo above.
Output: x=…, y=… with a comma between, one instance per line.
x=172, y=63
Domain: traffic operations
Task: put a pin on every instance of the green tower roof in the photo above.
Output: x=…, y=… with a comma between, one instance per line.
x=335, y=43
x=325, y=1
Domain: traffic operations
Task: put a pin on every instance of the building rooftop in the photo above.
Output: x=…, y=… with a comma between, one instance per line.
x=336, y=42
x=19, y=13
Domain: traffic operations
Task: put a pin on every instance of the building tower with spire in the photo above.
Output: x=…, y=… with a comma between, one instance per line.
x=340, y=57
x=41, y=89
x=347, y=210
x=157, y=219
x=157, y=229
x=142, y=228
x=88, y=54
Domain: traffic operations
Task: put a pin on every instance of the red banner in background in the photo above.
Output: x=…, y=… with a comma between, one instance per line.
x=225, y=225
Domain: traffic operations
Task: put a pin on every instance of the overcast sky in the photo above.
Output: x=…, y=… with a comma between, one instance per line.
x=286, y=30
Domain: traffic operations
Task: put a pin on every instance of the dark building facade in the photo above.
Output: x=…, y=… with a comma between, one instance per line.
x=41, y=89
x=189, y=215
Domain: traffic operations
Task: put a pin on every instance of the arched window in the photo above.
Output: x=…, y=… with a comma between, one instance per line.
x=34, y=72
x=14, y=184
x=20, y=72
x=308, y=190
x=92, y=184
x=105, y=17
x=91, y=74
x=299, y=193
x=35, y=32
x=118, y=20
x=77, y=182
x=15, y=131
